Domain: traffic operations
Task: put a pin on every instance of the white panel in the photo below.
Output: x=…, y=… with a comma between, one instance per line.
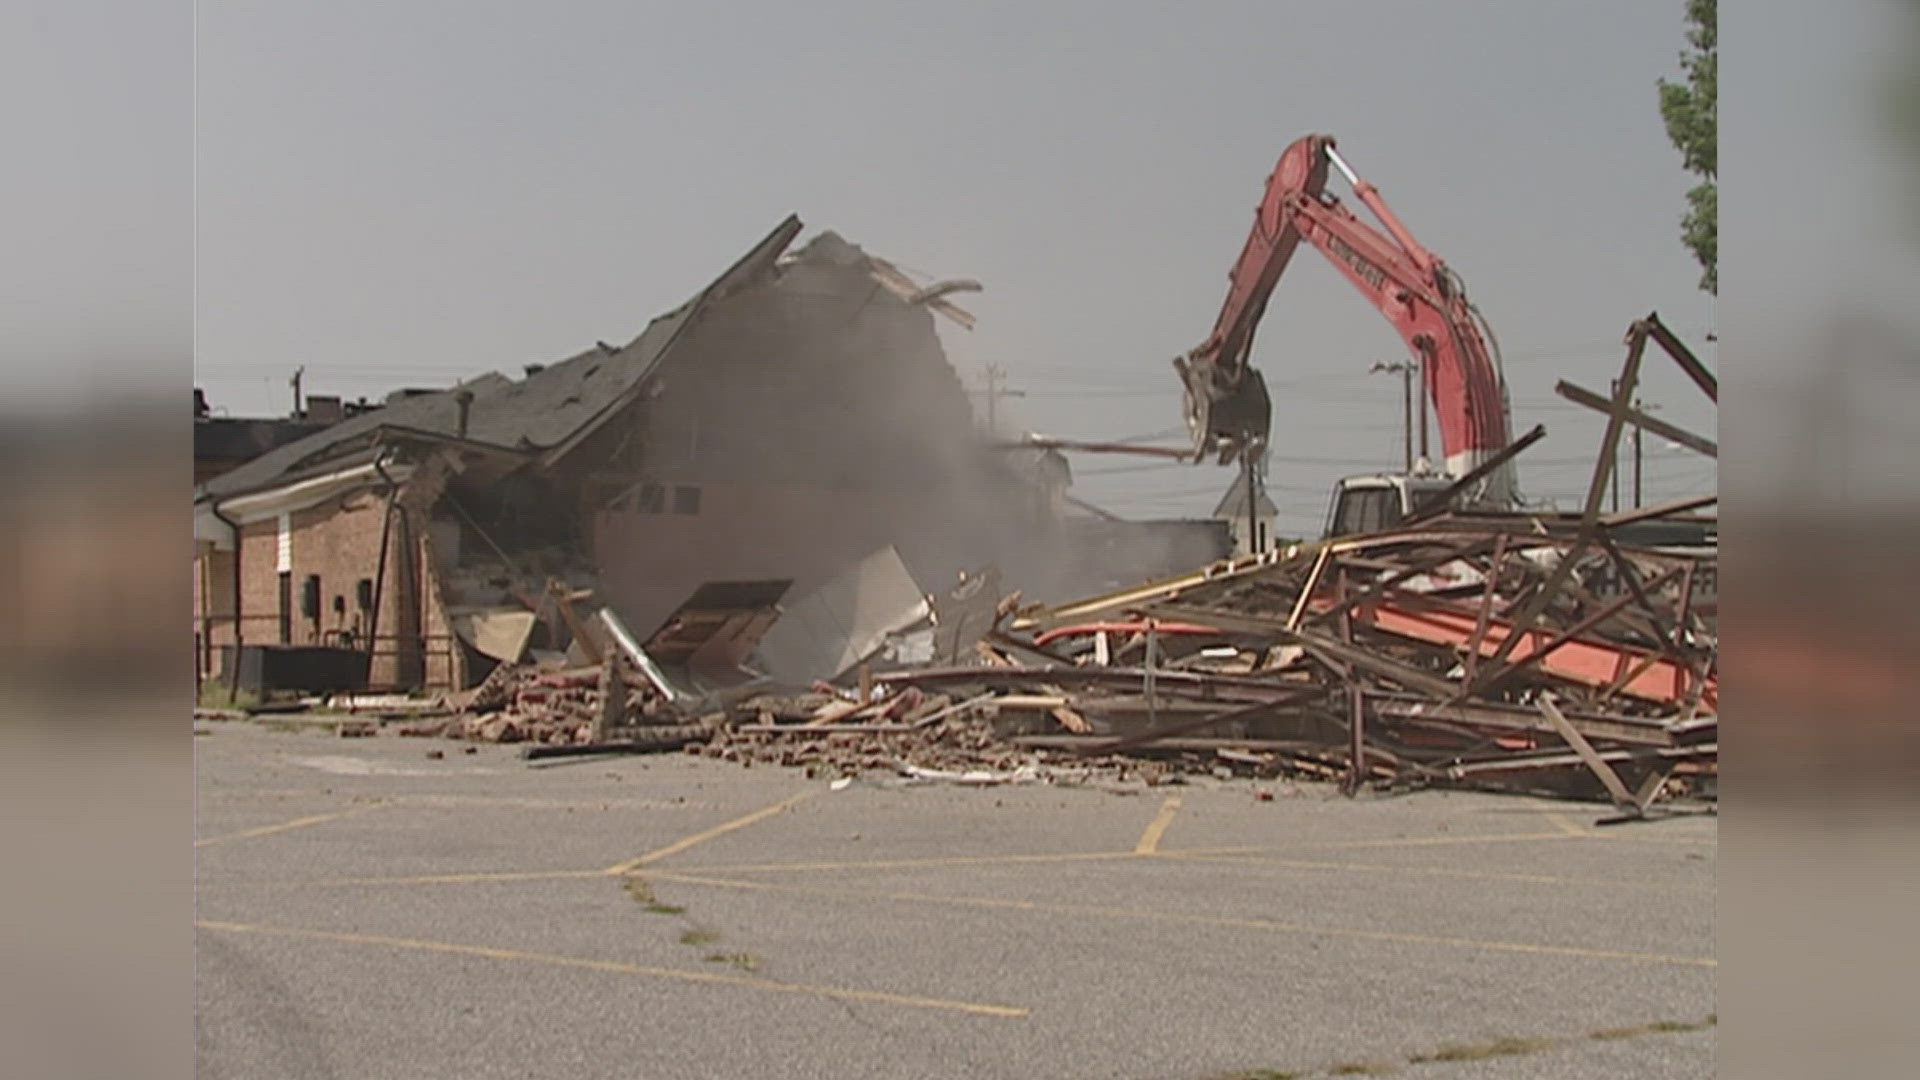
x=283, y=560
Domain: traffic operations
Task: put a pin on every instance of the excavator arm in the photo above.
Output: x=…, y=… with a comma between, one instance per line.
x=1227, y=407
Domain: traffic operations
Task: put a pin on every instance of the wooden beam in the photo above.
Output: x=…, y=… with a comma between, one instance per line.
x=1439, y=500
x=1659, y=510
x=1533, y=658
x=1580, y=395
x=1683, y=356
x=1608, y=778
x=1589, y=515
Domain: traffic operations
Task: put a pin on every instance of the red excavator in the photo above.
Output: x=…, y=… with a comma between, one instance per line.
x=1227, y=407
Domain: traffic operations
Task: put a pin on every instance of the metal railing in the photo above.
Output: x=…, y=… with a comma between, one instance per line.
x=437, y=654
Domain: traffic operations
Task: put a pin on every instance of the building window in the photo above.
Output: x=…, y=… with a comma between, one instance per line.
x=651, y=500
x=686, y=500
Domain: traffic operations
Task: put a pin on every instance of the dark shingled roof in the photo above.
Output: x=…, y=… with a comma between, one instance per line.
x=545, y=413
x=222, y=438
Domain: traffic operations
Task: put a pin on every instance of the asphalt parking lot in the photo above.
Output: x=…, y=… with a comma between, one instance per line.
x=365, y=910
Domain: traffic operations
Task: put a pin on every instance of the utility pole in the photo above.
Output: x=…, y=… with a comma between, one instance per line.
x=1637, y=404
x=1636, y=458
x=995, y=376
x=297, y=372
x=1424, y=395
x=1405, y=371
x=1250, y=476
x=1253, y=519
x=1613, y=479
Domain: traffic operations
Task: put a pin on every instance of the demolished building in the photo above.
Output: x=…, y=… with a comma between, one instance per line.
x=794, y=417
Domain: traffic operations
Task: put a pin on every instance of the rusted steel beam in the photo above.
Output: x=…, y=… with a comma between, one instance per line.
x=1439, y=500
x=1493, y=679
x=1178, y=453
x=1580, y=395
x=1410, y=570
x=1669, y=635
x=1517, y=762
x=1631, y=575
x=1683, y=616
x=1594, y=762
x=1590, y=663
x=1356, y=705
x=1168, y=679
x=1486, y=607
x=1610, y=727
x=1659, y=510
x=1229, y=570
x=1441, y=622
x=1331, y=651
x=1683, y=356
x=1589, y=515
x=1632, y=672
x=1172, y=742
x=1181, y=727
x=1306, y=591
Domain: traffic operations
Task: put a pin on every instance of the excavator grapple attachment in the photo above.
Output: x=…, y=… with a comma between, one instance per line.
x=1228, y=420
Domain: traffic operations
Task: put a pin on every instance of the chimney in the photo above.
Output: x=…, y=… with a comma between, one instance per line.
x=534, y=369
x=199, y=403
x=325, y=409
x=465, y=400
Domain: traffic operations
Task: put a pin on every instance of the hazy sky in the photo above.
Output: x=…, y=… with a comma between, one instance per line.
x=404, y=193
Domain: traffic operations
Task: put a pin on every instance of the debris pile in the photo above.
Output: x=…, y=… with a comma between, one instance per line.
x=1482, y=652
x=555, y=706
x=1569, y=654
x=1564, y=654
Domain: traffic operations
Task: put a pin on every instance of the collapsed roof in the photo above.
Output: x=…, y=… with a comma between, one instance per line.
x=540, y=416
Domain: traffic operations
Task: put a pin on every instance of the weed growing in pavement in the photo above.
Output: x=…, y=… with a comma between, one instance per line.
x=642, y=894
x=743, y=961
x=1503, y=1047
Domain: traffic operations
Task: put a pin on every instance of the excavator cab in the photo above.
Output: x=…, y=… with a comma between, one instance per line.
x=1370, y=504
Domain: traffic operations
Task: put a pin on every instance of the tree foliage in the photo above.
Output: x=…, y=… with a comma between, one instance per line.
x=1690, y=109
x=1903, y=105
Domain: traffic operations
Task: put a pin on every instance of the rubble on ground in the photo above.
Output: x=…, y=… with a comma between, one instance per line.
x=1493, y=653
x=1573, y=655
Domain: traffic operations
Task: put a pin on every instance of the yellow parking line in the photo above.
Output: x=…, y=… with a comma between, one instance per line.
x=480, y=877
x=1101, y=856
x=1150, y=840
x=1251, y=861
x=934, y=861
x=1133, y=914
x=296, y=823
x=679, y=846
x=716, y=978
x=1567, y=825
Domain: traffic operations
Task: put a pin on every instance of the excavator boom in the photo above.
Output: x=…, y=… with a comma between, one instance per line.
x=1227, y=407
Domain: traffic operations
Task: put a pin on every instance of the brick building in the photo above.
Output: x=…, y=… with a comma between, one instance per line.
x=795, y=415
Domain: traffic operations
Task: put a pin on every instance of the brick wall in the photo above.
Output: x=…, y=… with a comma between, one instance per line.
x=338, y=541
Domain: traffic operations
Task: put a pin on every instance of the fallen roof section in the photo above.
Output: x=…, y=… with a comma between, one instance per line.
x=825, y=633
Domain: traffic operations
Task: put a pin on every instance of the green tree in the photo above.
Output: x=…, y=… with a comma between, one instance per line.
x=1903, y=105
x=1690, y=108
